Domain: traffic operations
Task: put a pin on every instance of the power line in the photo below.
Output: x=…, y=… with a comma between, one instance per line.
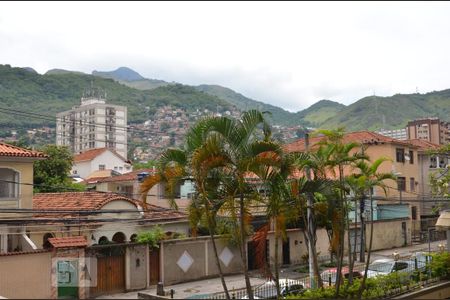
x=76, y=190
x=85, y=229
x=62, y=121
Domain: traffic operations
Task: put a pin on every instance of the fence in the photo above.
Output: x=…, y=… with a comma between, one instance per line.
x=402, y=275
x=264, y=291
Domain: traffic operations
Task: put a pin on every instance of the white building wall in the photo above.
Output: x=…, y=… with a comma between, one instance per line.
x=83, y=169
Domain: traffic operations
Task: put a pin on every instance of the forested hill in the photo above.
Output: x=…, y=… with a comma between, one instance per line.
x=23, y=89
x=46, y=95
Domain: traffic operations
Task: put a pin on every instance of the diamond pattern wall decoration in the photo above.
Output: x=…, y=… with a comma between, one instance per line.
x=185, y=261
x=226, y=256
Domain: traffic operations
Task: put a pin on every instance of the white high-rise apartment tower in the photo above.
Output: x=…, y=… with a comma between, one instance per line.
x=93, y=124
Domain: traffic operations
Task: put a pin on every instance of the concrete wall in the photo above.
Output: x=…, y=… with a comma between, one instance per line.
x=137, y=264
x=297, y=245
x=388, y=234
x=203, y=261
x=26, y=276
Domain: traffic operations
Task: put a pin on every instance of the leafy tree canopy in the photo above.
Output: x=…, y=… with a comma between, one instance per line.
x=51, y=174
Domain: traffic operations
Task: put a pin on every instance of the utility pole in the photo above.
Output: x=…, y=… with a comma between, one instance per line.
x=311, y=239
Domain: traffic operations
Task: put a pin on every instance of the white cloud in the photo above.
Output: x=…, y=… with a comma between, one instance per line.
x=290, y=54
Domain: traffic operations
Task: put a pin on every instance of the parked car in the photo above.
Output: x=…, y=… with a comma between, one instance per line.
x=330, y=275
x=388, y=266
x=268, y=290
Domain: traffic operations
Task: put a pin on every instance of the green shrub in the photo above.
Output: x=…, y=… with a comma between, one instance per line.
x=151, y=237
x=440, y=265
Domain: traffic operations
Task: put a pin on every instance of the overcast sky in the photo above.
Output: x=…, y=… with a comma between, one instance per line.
x=290, y=54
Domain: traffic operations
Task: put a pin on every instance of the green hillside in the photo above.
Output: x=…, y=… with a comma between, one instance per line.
x=49, y=94
x=279, y=115
x=60, y=90
x=391, y=112
x=145, y=84
x=319, y=112
x=131, y=78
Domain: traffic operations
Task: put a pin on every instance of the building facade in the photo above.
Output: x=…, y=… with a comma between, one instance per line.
x=93, y=124
x=432, y=130
x=90, y=161
x=399, y=134
x=16, y=192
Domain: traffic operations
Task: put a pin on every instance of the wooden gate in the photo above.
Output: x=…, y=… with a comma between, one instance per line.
x=110, y=275
x=154, y=266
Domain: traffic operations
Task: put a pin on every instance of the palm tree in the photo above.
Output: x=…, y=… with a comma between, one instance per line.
x=368, y=179
x=276, y=176
x=177, y=164
x=230, y=149
x=340, y=158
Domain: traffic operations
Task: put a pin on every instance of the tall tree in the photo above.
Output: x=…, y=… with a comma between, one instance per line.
x=368, y=179
x=52, y=174
x=223, y=149
x=340, y=158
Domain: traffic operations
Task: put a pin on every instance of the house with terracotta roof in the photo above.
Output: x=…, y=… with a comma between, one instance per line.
x=401, y=200
x=98, y=216
x=16, y=192
x=84, y=164
x=129, y=185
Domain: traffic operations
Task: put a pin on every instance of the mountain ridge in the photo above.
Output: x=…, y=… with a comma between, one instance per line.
x=59, y=90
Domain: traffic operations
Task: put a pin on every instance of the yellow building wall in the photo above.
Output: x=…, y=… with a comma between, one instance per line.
x=25, y=199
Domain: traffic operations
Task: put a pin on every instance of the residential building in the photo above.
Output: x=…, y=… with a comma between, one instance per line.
x=16, y=192
x=84, y=164
x=399, y=134
x=93, y=224
x=403, y=163
x=430, y=164
x=129, y=185
x=93, y=124
x=429, y=129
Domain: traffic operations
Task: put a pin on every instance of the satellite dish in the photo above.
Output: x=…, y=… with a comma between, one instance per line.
x=407, y=157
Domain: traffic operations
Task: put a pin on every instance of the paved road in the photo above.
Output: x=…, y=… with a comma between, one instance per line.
x=213, y=285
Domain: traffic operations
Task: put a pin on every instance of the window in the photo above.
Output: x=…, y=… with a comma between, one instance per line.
x=433, y=162
x=9, y=183
x=411, y=156
x=414, y=212
x=401, y=183
x=101, y=167
x=400, y=266
x=400, y=154
x=412, y=184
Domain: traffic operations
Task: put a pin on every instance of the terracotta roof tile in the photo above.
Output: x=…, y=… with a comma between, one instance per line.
x=24, y=252
x=102, y=174
x=66, y=242
x=9, y=150
x=93, y=153
x=75, y=200
x=423, y=145
x=364, y=137
x=130, y=176
x=79, y=201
